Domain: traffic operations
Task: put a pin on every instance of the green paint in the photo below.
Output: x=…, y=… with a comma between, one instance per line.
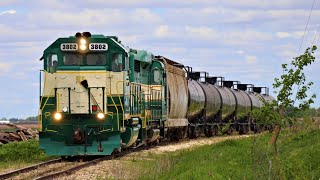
x=57, y=137
x=61, y=149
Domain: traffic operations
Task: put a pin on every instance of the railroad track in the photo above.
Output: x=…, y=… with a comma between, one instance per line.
x=93, y=162
x=56, y=171
x=29, y=168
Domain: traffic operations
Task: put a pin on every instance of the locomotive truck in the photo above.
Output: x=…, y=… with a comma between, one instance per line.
x=99, y=96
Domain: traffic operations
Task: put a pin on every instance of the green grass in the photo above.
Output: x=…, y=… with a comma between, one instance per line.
x=250, y=158
x=18, y=154
x=8, y=130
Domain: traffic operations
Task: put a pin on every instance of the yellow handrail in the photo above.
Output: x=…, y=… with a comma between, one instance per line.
x=115, y=107
x=44, y=85
x=120, y=104
x=46, y=99
x=40, y=116
x=58, y=103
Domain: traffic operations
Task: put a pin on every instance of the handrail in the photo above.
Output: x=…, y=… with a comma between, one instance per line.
x=58, y=102
x=44, y=85
x=115, y=107
x=40, y=116
x=46, y=100
x=120, y=104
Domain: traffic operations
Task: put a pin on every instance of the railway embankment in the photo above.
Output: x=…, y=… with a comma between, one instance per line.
x=232, y=157
x=235, y=157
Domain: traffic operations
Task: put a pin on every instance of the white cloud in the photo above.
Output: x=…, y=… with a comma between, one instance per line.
x=240, y=52
x=146, y=16
x=12, y=11
x=251, y=59
x=5, y=68
x=161, y=31
x=296, y=34
x=203, y=32
x=283, y=34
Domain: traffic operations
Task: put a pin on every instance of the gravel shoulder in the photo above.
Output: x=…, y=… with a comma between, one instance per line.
x=122, y=168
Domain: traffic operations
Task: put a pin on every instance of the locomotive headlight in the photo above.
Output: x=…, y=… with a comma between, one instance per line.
x=83, y=47
x=57, y=116
x=100, y=115
x=83, y=41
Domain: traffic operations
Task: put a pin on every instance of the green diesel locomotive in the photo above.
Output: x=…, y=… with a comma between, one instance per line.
x=99, y=96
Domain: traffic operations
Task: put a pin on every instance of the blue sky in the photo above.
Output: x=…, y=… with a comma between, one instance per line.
x=246, y=40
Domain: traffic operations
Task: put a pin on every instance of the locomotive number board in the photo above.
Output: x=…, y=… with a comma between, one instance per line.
x=98, y=46
x=69, y=46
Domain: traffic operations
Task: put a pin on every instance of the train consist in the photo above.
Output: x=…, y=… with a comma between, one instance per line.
x=99, y=96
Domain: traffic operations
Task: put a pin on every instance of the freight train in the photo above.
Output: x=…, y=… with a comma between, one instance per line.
x=99, y=96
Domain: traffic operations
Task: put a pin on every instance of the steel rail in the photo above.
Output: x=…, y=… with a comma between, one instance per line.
x=29, y=168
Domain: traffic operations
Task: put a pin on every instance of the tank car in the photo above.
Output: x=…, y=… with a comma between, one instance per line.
x=224, y=103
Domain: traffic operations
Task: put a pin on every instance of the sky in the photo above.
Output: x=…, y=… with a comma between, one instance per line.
x=245, y=40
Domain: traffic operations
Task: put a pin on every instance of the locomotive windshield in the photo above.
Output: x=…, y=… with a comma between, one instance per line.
x=94, y=59
x=73, y=60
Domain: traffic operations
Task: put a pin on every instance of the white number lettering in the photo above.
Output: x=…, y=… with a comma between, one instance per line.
x=98, y=46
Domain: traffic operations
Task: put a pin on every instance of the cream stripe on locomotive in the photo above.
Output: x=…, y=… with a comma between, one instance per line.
x=79, y=100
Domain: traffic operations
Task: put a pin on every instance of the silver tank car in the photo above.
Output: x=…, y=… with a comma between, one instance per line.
x=243, y=103
x=256, y=102
x=267, y=98
x=213, y=101
x=228, y=101
x=196, y=103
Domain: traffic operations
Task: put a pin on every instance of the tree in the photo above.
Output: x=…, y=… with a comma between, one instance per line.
x=289, y=100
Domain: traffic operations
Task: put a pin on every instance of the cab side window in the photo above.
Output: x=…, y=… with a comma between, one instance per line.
x=116, y=63
x=52, y=63
x=156, y=76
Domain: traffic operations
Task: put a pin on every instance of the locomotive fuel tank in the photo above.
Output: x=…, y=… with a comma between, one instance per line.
x=213, y=100
x=196, y=101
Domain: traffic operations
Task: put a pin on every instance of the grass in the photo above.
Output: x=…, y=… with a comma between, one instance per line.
x=19, y=154
x=8, y=130
x=250, y=158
